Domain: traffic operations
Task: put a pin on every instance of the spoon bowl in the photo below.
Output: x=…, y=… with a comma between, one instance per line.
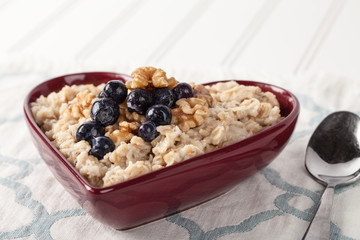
x=332, y=158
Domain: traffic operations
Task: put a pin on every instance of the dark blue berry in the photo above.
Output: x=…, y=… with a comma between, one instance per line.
x=89, y=130
x=183, y=90
x=105, y=111
x=147, y=131
x=116, y=90
x=139, y=100
x=101, y=146
x=159, y=114
x=163, y=96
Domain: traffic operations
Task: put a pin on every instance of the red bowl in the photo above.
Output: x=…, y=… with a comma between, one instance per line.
x=171, y=189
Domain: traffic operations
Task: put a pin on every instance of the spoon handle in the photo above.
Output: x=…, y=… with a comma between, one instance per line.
x=319, y=227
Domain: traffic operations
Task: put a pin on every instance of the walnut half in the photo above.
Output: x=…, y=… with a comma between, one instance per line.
x=149, y=78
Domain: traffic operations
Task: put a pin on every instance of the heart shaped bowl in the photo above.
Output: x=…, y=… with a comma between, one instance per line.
x=171, y=189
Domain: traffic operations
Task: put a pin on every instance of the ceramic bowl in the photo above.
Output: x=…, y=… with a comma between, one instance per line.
x=171, y=189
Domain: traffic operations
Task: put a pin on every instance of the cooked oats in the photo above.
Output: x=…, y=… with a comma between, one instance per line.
x=216, y=116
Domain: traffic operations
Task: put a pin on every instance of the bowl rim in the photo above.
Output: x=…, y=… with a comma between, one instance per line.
x=143, y=178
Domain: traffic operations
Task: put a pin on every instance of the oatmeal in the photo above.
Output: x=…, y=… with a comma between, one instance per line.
x=111, y=141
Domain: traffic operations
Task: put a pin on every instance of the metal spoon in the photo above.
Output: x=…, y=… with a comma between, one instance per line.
x=333, y=158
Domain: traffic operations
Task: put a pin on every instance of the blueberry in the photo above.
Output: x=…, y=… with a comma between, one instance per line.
x=147, y=131
x=159, y=114
x=139, y=100
x=105, y=111
x=89, y=130
x=116, y=90
x=163, y=96
x=183, y=90
x=101, y=146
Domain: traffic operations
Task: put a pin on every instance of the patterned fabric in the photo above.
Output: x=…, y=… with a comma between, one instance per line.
x=308, y=47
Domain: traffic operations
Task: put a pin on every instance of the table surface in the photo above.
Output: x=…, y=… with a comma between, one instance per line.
x=309, y=47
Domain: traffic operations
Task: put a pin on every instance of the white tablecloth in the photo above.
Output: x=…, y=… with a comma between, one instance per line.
x=308, y=47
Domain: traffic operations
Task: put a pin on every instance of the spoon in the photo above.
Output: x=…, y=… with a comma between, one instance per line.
x=333, y=158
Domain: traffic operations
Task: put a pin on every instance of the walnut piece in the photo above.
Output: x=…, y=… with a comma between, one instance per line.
x=80, y=106
x=149, y=78
x=124, y=133
x=190, y=113
x=129, y=126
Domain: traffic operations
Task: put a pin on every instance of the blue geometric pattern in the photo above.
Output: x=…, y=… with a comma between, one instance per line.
x=281, y=202
x=42, y=220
